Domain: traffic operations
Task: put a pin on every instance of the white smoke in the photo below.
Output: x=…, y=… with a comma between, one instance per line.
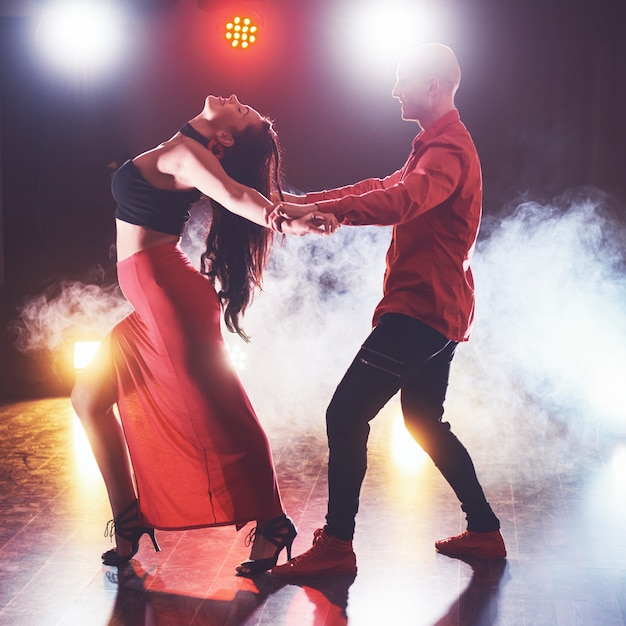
x=193, y=241
x=318, y=298
x=548, y=354
x=71, y=310
x=65, y=312
x=308, y=323
x=552, y=308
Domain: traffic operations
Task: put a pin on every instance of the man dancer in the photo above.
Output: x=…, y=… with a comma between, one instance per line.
x=434, y=204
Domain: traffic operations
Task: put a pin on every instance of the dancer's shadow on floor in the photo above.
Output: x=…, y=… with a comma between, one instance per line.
x=137, y=605
x=327, y=596
x=478, y=604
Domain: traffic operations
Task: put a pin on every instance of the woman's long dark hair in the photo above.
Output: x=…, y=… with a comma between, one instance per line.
x=237, y=249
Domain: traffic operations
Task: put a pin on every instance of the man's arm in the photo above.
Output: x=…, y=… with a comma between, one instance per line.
x=384, y=202
x=295, y=206
x=434, y=178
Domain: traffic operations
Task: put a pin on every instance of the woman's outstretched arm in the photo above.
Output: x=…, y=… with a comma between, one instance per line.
x=192, y=166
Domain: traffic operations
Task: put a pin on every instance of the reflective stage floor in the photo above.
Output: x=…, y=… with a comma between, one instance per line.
x=563, y=514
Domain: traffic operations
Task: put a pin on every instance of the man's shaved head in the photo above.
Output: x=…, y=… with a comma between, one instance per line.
x=433, y=59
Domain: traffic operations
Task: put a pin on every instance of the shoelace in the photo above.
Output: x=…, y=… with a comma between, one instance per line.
x=318, y=541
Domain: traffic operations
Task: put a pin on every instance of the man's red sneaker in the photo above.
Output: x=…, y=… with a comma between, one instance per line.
x=483, y=545
x=328, y=556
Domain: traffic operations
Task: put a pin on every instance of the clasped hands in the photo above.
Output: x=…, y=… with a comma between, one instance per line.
x=300, y=219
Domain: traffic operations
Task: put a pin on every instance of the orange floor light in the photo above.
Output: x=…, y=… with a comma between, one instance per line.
x=84, y=351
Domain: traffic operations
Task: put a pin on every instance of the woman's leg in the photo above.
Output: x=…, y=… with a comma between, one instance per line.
x=93, y=397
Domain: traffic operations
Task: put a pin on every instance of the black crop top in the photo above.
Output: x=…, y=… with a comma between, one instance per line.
x=143, y=204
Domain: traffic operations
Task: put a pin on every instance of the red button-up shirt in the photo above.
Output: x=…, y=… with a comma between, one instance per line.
x=434, y=204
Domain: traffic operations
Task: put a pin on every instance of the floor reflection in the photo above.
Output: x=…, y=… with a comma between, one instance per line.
x=562, y=511
x=136, y=603
x=478, y=604
x=309, y=602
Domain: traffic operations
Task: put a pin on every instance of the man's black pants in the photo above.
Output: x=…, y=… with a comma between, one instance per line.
x=403, y=354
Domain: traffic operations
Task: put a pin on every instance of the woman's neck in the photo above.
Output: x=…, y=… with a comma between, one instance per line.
x=203, y=126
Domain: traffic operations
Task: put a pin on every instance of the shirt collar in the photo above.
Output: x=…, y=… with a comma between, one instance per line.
x=432, y=131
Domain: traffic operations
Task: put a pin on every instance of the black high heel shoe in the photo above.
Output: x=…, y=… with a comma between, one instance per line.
x=126, y=526
x=281, y=531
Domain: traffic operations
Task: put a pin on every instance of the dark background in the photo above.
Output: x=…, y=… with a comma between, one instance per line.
x=543, y=94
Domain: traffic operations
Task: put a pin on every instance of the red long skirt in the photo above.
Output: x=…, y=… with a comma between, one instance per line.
x=199, y=454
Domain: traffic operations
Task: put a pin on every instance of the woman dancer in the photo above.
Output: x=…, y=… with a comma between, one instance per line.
x=189, y=451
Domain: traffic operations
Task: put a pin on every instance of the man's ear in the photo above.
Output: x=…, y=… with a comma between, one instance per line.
x=433, y=85
x=225, y=138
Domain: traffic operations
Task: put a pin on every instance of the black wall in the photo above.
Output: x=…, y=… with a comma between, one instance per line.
x=543, y=94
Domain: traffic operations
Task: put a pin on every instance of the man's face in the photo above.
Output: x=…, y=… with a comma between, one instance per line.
x=411, y=90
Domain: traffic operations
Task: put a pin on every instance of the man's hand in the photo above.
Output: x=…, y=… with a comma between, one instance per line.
x=312, y=222
x=277, y=214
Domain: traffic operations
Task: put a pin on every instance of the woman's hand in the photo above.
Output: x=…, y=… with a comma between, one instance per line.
x=313, y=222
x=275, y=215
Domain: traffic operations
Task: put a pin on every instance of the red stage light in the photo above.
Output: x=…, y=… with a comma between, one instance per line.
x=241, y=32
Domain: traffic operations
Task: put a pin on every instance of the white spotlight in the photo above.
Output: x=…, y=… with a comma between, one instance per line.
x=80, y=35
x=381, y=32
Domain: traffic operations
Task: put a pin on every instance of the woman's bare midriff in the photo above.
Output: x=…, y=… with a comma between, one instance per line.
x=132, y=239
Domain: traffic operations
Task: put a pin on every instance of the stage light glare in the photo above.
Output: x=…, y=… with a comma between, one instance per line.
x=86, y=466
x=406, y=453
x=80, y=35
x=237, y=355
x=380, y=33
x=84, y=351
